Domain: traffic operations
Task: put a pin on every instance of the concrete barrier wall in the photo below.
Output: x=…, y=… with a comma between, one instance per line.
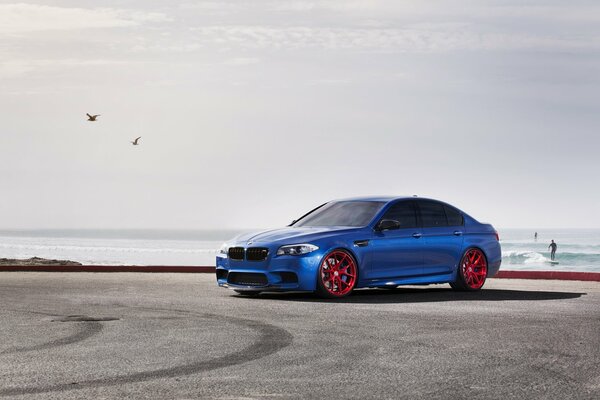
x=561, y=275
x=107, y=268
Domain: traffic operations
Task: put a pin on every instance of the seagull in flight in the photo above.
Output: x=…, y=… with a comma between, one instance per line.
x=92, y=117
x=135, y=142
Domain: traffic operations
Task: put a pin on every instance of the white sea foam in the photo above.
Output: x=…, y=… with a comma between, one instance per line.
x=111, y=251
x=7, y=247
x=519, y=257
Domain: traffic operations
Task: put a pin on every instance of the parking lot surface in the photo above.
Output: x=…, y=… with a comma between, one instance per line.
x=178, y=336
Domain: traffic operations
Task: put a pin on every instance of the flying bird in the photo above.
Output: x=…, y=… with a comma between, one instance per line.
x=135, y=142
x=92, y=117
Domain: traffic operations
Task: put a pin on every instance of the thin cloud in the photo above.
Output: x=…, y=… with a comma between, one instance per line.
x=14, y=68
x=430, y=9
x=331, y=5
x=213, y=7
x=415, y=38
x=20, y=18
x=241, y=61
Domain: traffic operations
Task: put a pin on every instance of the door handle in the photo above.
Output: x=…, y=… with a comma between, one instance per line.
x=417, y=235
x=457, y=233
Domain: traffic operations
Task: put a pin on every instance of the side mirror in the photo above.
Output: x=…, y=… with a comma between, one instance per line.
x=387, y=224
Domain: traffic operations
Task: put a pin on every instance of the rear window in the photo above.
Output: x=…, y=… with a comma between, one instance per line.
x=432, y=214
x=454, y=216
x=342, y=213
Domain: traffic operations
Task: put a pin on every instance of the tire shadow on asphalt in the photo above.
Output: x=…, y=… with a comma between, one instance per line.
x=425, y=295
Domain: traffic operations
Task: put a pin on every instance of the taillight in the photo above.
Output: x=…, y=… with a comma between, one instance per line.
x=497, y=236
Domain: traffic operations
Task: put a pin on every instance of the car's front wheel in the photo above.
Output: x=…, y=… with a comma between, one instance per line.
x=338, y=274
x=472, y=271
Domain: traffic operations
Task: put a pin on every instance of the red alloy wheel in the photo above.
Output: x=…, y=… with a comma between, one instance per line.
x=337, y=273
x=474, y=269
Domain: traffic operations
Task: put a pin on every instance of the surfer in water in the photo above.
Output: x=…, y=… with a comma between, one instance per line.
x=552, y=248
x=535, y=236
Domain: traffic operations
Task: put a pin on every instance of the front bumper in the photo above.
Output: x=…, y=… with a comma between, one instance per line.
x=276, y=273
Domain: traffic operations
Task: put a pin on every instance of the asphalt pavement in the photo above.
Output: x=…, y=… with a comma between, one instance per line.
x=178, y=336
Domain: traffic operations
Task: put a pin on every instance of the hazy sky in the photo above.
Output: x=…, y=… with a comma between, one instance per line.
x=253, y=112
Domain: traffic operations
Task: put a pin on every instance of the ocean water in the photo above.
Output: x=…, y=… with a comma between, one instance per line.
x=578, y=250
x=116, y=247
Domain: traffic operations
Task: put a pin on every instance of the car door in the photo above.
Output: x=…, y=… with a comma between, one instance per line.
x=442, y=242
x=397, y=253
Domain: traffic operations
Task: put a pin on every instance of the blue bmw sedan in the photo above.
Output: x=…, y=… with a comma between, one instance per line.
x=365, y=242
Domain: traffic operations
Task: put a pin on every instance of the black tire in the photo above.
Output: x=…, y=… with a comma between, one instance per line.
x=471, y=275
x=342, y=258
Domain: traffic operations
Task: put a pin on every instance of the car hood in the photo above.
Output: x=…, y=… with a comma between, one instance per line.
x=291, y=234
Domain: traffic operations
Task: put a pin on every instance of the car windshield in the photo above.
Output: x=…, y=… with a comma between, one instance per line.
x=342, y=213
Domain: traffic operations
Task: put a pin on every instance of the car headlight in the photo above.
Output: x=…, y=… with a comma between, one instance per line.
x=224, y=249
x=296, y=249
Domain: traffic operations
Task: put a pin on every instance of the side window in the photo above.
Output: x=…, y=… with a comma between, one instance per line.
x=432, y=214
x=454, y=216
x=403, y=212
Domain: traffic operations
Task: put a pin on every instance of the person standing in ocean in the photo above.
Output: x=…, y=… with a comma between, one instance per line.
x=552, y=248
x=535, y=236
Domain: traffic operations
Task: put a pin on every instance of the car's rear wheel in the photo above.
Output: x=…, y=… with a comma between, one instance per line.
x=247, y=293
x=338, y=274
x=472, y=271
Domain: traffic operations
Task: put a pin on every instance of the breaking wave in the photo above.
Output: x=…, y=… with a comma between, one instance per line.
x=533, y=257
x=103, y=249
x=112, y=251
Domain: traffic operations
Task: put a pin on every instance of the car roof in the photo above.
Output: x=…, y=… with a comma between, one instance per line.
x=386, y=199
x=375, y=198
